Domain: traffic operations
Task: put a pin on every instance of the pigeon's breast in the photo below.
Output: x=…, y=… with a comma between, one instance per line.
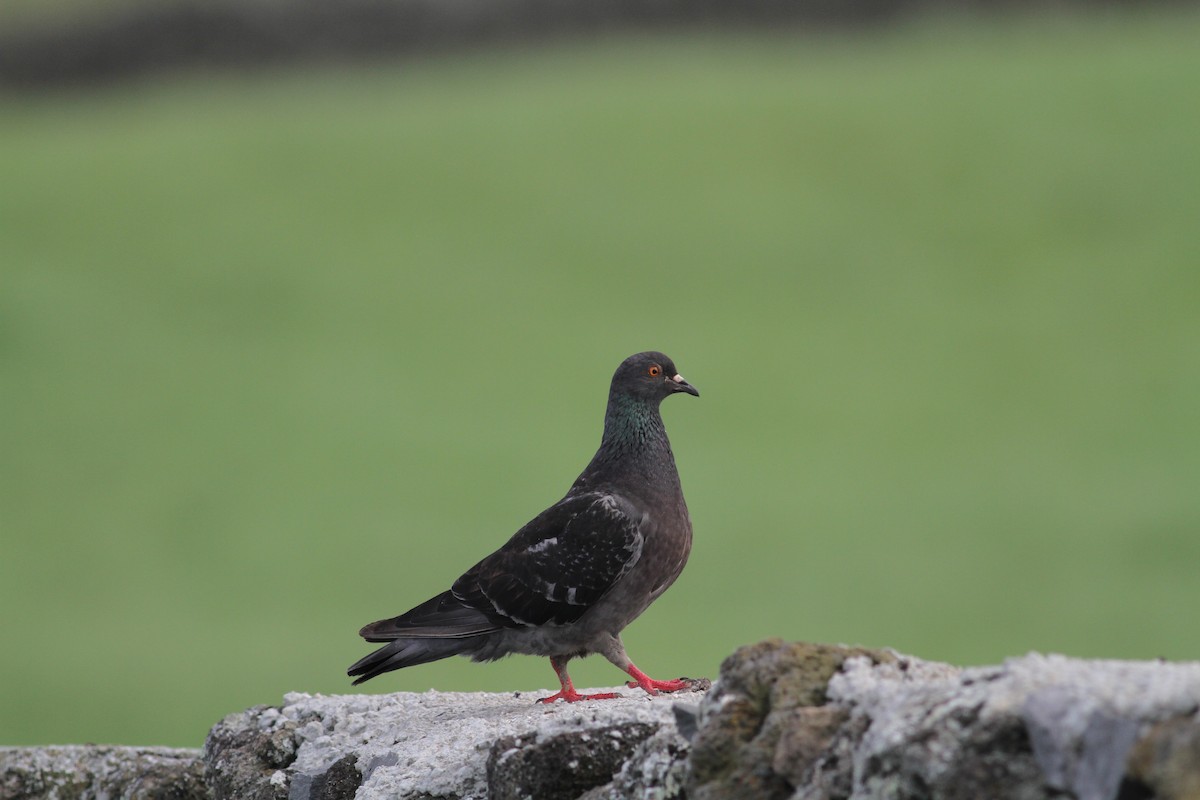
x=665, y=552
x=667, y=533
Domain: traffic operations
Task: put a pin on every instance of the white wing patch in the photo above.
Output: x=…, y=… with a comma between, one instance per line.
x=543, y=545
x=582, y=550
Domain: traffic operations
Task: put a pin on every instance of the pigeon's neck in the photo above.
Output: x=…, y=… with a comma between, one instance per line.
x=635, y=441
x=632, y=424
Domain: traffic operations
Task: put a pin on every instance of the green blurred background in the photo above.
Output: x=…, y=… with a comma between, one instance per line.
x=283, y=352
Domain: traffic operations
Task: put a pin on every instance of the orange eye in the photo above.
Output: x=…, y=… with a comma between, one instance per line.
x=655, y=371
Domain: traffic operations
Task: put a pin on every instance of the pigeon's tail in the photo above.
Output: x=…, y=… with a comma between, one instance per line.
x=436, y=629
x=405, y=653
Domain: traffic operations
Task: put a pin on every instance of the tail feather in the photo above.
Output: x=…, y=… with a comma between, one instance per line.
x=442, y=617
x=405, y=653
x=438, y=628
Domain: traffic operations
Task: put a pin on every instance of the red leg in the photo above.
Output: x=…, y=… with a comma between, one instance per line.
x=568, y=693
x=652, y=686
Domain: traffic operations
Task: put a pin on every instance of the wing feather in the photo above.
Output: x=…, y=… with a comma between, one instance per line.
x=557, y=566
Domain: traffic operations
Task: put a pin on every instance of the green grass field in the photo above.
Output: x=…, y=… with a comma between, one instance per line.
x=283, y=354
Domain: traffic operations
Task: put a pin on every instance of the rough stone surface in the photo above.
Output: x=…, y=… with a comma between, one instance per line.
x=246, y=752
x=94, y=771
x=785, y=720
x=561, y=767
x=1036, y=726
x=799, y=721
x=428, y=745
x=764, y=690
x=655, y=771
x=1166, y=761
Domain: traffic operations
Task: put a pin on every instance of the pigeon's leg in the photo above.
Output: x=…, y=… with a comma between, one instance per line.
x=614, y=651
x=568, y=693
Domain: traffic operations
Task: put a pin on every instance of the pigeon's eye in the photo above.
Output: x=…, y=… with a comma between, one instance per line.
x=655, y=370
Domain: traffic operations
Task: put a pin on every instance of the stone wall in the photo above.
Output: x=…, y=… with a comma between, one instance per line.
x=783, y=720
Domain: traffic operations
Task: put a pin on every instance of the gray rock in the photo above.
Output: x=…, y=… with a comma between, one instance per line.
x=811, y=721
x=765, y=691
x=246, y=753
x=561, y=767
x=791, y=721
x=655, y=771
x=1165, y=762
x=94, y=771
x=1037, y=726
x=432, y=744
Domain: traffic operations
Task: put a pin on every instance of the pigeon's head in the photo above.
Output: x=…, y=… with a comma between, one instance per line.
x=650, y=376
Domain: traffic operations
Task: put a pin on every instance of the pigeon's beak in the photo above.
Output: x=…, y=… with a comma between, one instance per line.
x=680, y=385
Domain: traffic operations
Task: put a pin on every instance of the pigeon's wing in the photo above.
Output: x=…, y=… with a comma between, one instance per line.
x=442, y=617
x=556, y=567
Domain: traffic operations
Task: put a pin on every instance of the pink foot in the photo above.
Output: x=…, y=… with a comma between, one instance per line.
x=568, y=694
x=652, y=686
x=574, y=696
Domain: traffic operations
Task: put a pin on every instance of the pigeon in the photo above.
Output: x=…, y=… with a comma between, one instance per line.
x=567, y=583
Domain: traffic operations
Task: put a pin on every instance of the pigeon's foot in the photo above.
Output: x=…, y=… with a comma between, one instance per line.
x=654, y=687
x=572, y=696
x=568, y=694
